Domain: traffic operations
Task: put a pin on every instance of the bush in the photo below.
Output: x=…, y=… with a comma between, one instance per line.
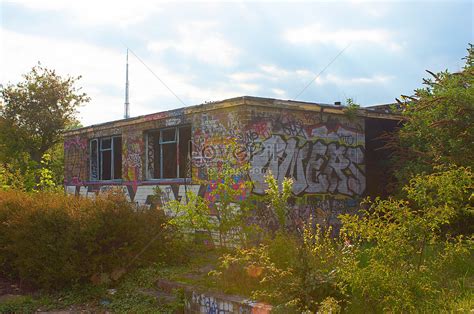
x=53, y=240
x=406, y=262
x=294, y=274
x=223, y=211
x=438, y=126
x=395, y=256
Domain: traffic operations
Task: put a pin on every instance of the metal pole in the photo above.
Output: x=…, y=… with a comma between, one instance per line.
x=127, y=103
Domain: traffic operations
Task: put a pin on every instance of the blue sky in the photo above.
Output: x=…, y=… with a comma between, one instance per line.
x=208, y=51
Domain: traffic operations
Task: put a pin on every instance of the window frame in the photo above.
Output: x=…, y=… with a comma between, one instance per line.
x=99, y=159
x=158, y=133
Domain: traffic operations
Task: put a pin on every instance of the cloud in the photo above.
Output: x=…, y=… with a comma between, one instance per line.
x=92, y=12
x=315, y=33
x=102, y=70
x=339, y=80
x=274, y=72
x=248, y=87
x=279, y=93
x=371, y=8
x=200, y=40
x=271, y=73
x=245, y=76
x=103, y=76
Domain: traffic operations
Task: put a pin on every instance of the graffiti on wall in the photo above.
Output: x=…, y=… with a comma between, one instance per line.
x=220, y=304
x=323, y=154
x=143, y=195
x=323, y=211
x=75, y=159
x=171, y=115
x=210, y=147
x=315, y=166
x=133, y=150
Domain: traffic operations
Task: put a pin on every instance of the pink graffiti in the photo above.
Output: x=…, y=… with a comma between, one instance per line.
x=238, y=185
x=75, y=142
x=262, y=129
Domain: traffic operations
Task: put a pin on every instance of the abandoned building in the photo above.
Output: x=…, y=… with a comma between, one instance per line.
x=333, y=157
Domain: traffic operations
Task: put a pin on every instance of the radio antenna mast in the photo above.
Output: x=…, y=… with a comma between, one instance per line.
x=127, y=103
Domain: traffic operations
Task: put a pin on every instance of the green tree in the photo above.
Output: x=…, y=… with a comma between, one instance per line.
x=36, y=111
x=33, y=115
x=439, y=123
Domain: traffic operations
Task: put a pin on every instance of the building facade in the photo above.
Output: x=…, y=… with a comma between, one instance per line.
x=333, y=155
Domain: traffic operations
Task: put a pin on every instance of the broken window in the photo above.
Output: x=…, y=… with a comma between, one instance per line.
x=106, y=158
x=168, y=153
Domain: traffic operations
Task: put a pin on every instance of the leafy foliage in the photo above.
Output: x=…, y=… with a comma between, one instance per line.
x=53, y=240
x=405, y=264
x=276, y=198
x=351, y=109
x=28, y=176
x=46, y=181
x=439, y=123
x=225, y=208
x=11, y=177
x=33, y=115
x=291, y=273
x=191, y=215
x=38, y=110
x=392, y=257
x=294, y=272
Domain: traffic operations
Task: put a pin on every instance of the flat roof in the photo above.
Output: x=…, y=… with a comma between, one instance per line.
x=378, y=111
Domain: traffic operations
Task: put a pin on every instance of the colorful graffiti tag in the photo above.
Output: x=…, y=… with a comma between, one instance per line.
x=324, y=155
x=133, y=150
x=75, y=159
x=143, y=195
x=315, y=166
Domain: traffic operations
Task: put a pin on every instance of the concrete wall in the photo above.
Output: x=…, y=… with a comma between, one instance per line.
x=323, y=152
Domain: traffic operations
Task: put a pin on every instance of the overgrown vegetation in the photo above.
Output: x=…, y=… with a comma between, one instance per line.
x=52, y=240
x=439, y=128
x=224, y=211
x=393, y=257
x=130, y=294
x=409, y=263
x=351, y=109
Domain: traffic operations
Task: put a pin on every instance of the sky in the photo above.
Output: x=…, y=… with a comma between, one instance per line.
x=370, y=51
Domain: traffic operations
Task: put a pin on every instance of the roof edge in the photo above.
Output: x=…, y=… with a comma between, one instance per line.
x=239, y=101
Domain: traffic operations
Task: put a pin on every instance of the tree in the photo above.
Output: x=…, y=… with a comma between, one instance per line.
x=439, y=123
x=36, y=111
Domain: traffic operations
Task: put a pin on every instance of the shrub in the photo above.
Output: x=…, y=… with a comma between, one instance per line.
x=294, y=274
x=224, y=209
x=438, y=124
x=406, y=263
x=395, y=256
x=53, y=240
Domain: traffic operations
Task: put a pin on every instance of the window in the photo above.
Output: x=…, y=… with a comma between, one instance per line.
x=106, y=158
x=168, y=153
